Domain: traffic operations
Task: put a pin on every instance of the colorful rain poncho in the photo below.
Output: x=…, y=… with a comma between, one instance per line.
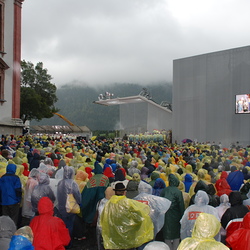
x=125, y=223
x=205, y=228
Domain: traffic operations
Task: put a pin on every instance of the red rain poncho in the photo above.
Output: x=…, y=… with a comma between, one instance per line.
x=49, y=232
x=239, y=239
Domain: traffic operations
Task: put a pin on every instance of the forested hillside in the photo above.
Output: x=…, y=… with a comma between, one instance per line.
x=76, y=104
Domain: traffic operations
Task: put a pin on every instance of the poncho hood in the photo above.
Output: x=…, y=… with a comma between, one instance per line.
x=81, y=175
x=68, y=172
x=189, y=169
x=45, y=206
x=224, y=175
x=188, y=178
x=11, y=169
x=206, y=226
x=235, y=198
x=98, y=168
x=154, y=176
x=173, y=180
x=201, y=198
x=7, y=227
x=43, y=179
x=201, y=185
x=159, y=184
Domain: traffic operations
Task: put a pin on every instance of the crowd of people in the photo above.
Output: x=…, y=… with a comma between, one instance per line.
x=137, y=194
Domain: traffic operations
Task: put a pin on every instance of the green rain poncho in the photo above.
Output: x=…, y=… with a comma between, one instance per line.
x=125, y=223
x=171, y=228
x=205, y=228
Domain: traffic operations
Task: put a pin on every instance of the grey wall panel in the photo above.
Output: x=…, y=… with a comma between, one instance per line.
x=133, y=118
x=158, y=118
x=143, y=117
x=204, y=89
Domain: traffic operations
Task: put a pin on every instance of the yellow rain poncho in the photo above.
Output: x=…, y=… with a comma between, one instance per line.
x=205, y=228
x=125, y=223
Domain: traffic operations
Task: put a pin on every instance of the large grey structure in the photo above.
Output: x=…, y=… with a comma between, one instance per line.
x=139, y=114
x=204, y=90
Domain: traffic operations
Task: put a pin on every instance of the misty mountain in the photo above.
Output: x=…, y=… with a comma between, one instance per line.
x=76, y=103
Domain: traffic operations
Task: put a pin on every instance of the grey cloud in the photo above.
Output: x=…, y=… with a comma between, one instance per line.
x=105, y=41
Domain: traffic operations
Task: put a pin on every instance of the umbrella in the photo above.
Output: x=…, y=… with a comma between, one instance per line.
x=186, y=140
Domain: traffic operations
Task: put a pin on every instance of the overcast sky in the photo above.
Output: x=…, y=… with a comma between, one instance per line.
x=134, y=41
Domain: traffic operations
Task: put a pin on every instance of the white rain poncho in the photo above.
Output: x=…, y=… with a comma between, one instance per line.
x=205, y=228
x=53, y=184
x=145, y=188
x=41, y=190
x=221, y=209
x=156, y=245
x=7, y=229
x=158, y=207
x=191, y=213
x=32, y=181
x=67, y=186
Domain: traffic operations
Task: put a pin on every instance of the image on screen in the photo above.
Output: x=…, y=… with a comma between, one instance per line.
x=242, y=104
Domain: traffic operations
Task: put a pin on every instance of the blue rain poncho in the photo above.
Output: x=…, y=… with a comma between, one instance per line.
x=22, y=239
x=19, y=242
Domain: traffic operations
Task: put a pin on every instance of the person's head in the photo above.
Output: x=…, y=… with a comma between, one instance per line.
x=99, y=158
x=11, y=168
x=201, y=198
x=7, y=226
x=136, y=177
x=134, y=164
x=5, y=153
x=132, y=189
x=233, y=168
x=69, y=172
x=206, y=226
x=120, y=189
x=155, y=245
x=235, y=198
x=224, y=199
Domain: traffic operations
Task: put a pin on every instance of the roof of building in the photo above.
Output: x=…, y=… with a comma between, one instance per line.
x=59, y=128
x=128, y=100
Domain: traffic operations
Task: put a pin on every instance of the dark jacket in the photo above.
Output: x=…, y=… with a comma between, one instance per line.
x=35, y=161
x=10, y=187
x=237, y=209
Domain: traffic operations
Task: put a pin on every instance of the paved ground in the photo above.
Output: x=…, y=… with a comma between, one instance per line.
x=88, y=244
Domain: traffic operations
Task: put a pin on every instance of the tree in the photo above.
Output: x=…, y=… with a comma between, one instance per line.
x=38, y=94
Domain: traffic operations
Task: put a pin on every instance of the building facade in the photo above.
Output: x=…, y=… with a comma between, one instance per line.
x=204, y=97
x=139, y=115
x=10, y=57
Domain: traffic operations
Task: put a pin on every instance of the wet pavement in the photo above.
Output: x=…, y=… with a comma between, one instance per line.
x=89, y=243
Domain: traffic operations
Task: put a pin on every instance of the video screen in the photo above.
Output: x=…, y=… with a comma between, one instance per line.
x=242, y=103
